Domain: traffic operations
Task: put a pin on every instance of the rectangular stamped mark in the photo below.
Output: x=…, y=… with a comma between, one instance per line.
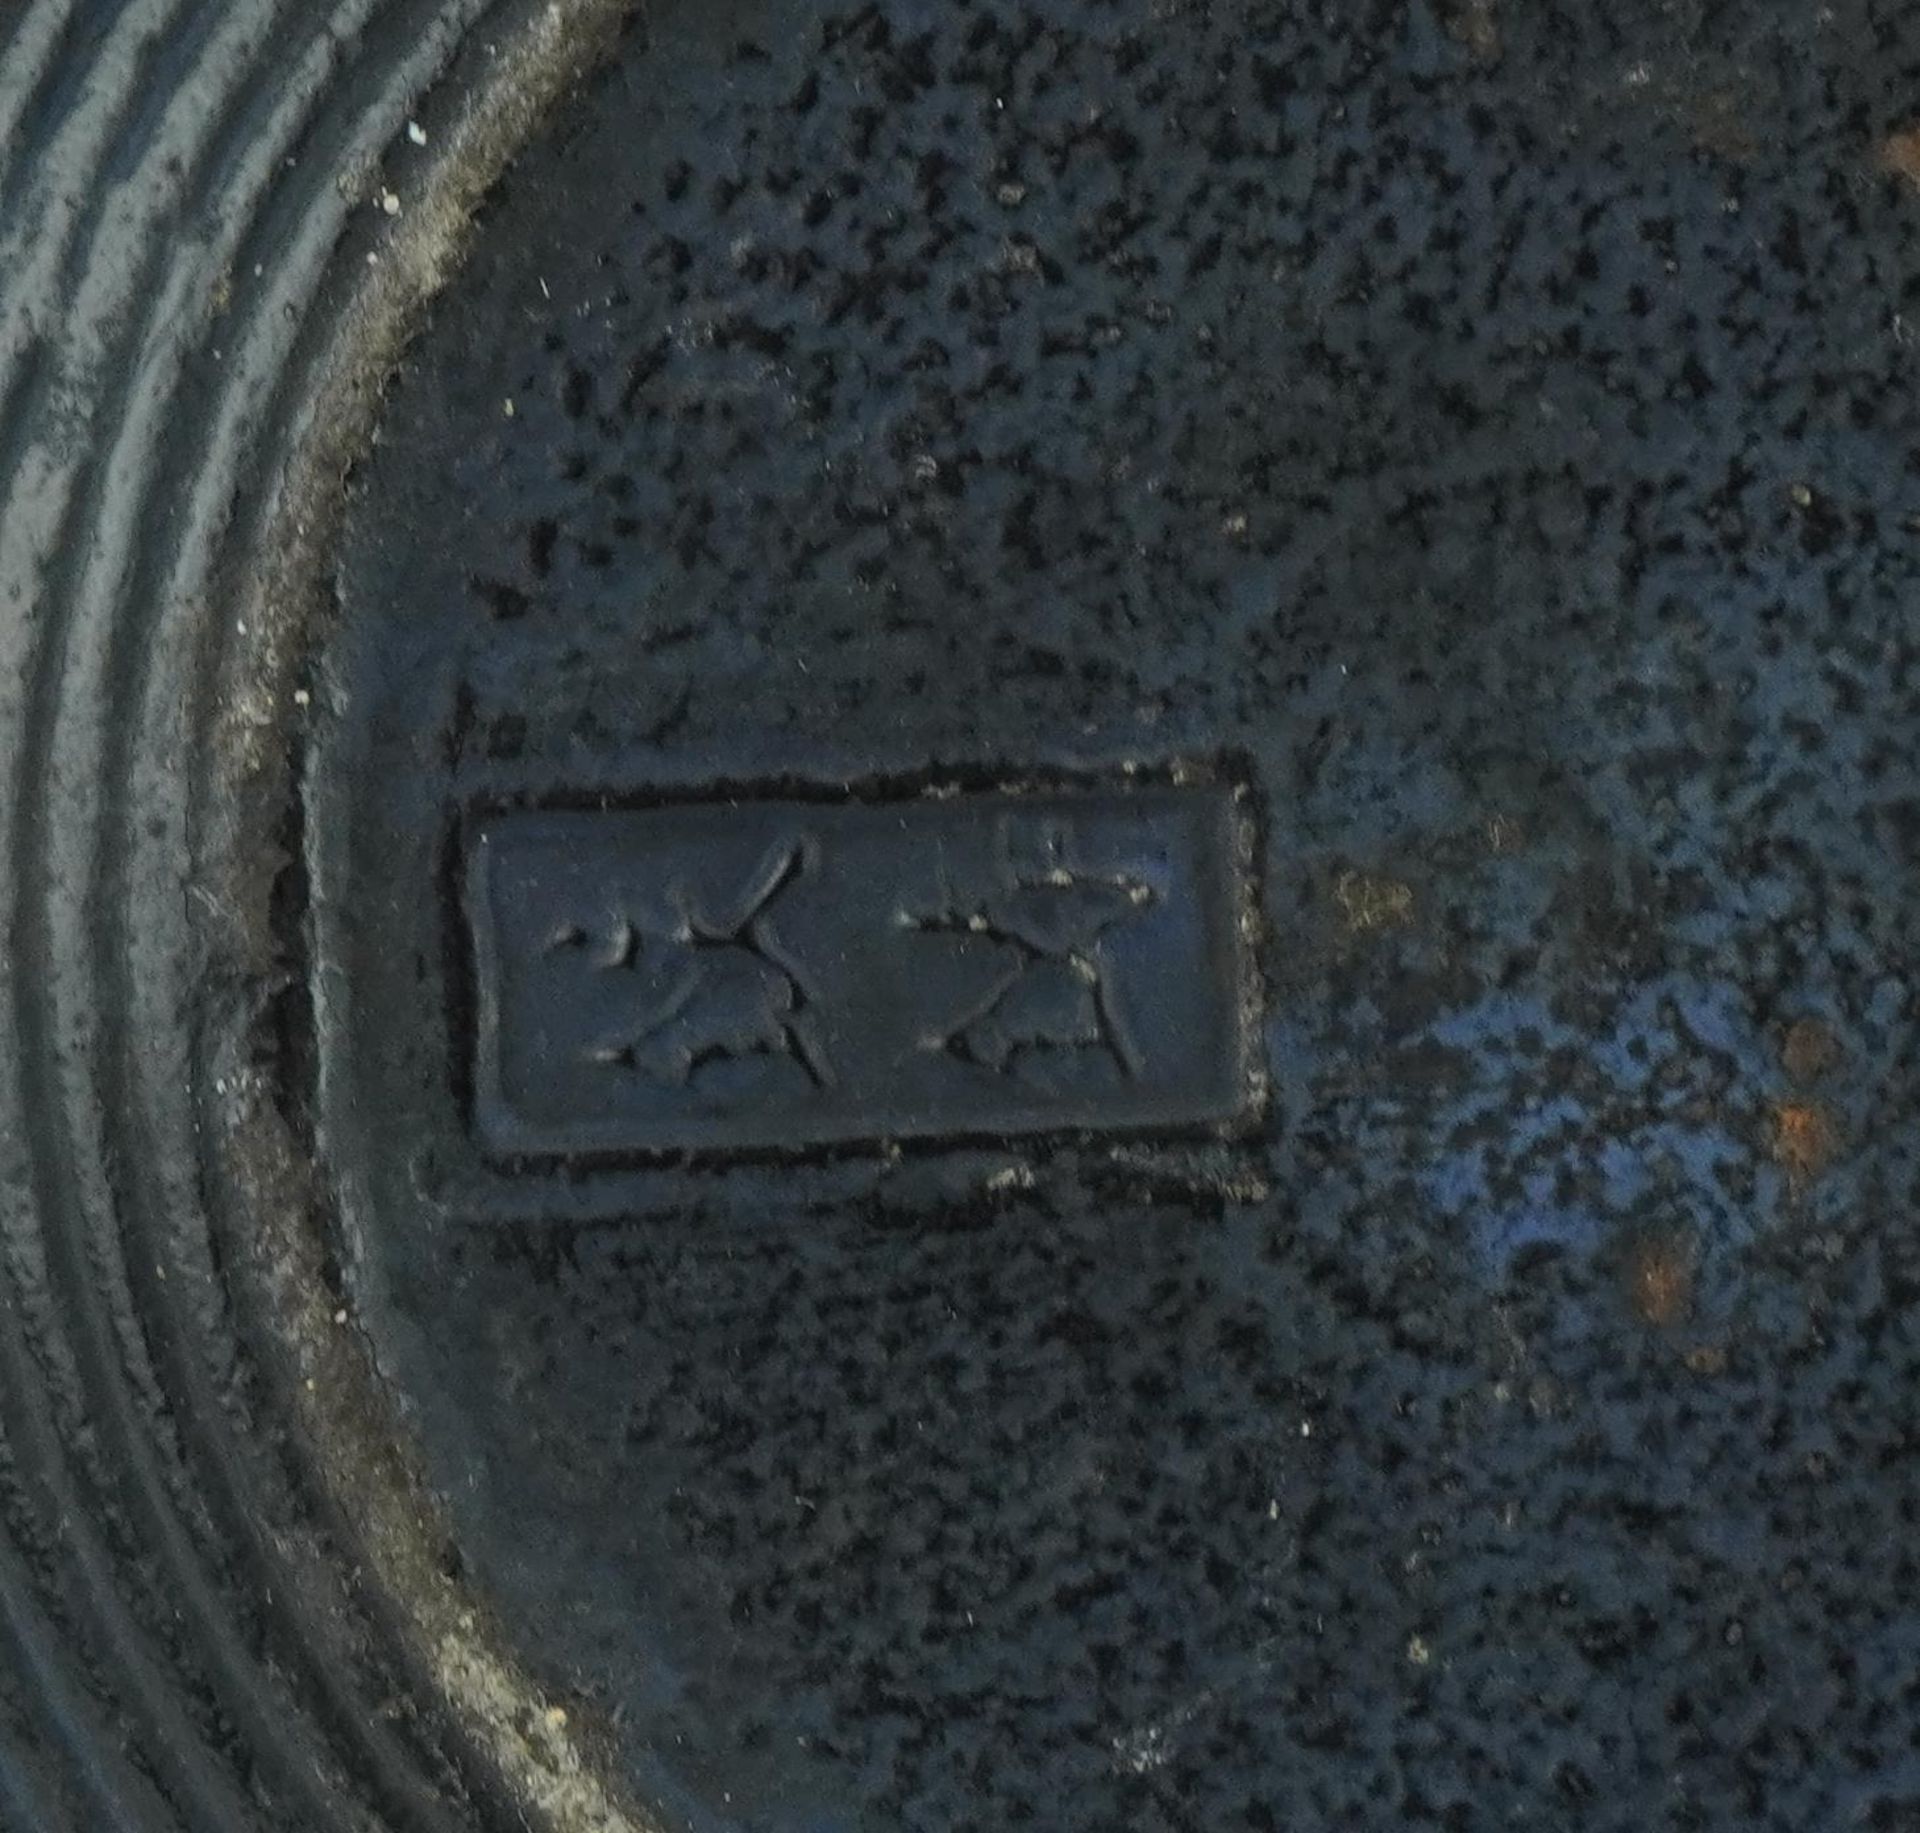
x=760, y=975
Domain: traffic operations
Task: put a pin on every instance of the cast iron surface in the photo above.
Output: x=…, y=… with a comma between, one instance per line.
x=1320, y=1232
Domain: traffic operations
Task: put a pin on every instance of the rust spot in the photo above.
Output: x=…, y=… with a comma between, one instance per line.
x=1707, y=1359
x=1900, y=155
x=1804, y=1140
x=1660, y=1279
x=1368, y=902
x=1809, y=1049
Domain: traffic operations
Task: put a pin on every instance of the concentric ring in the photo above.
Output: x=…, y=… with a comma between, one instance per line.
x=219, y=1597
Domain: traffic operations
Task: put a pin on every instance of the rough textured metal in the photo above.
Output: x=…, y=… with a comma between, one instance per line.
x=1481, y=435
